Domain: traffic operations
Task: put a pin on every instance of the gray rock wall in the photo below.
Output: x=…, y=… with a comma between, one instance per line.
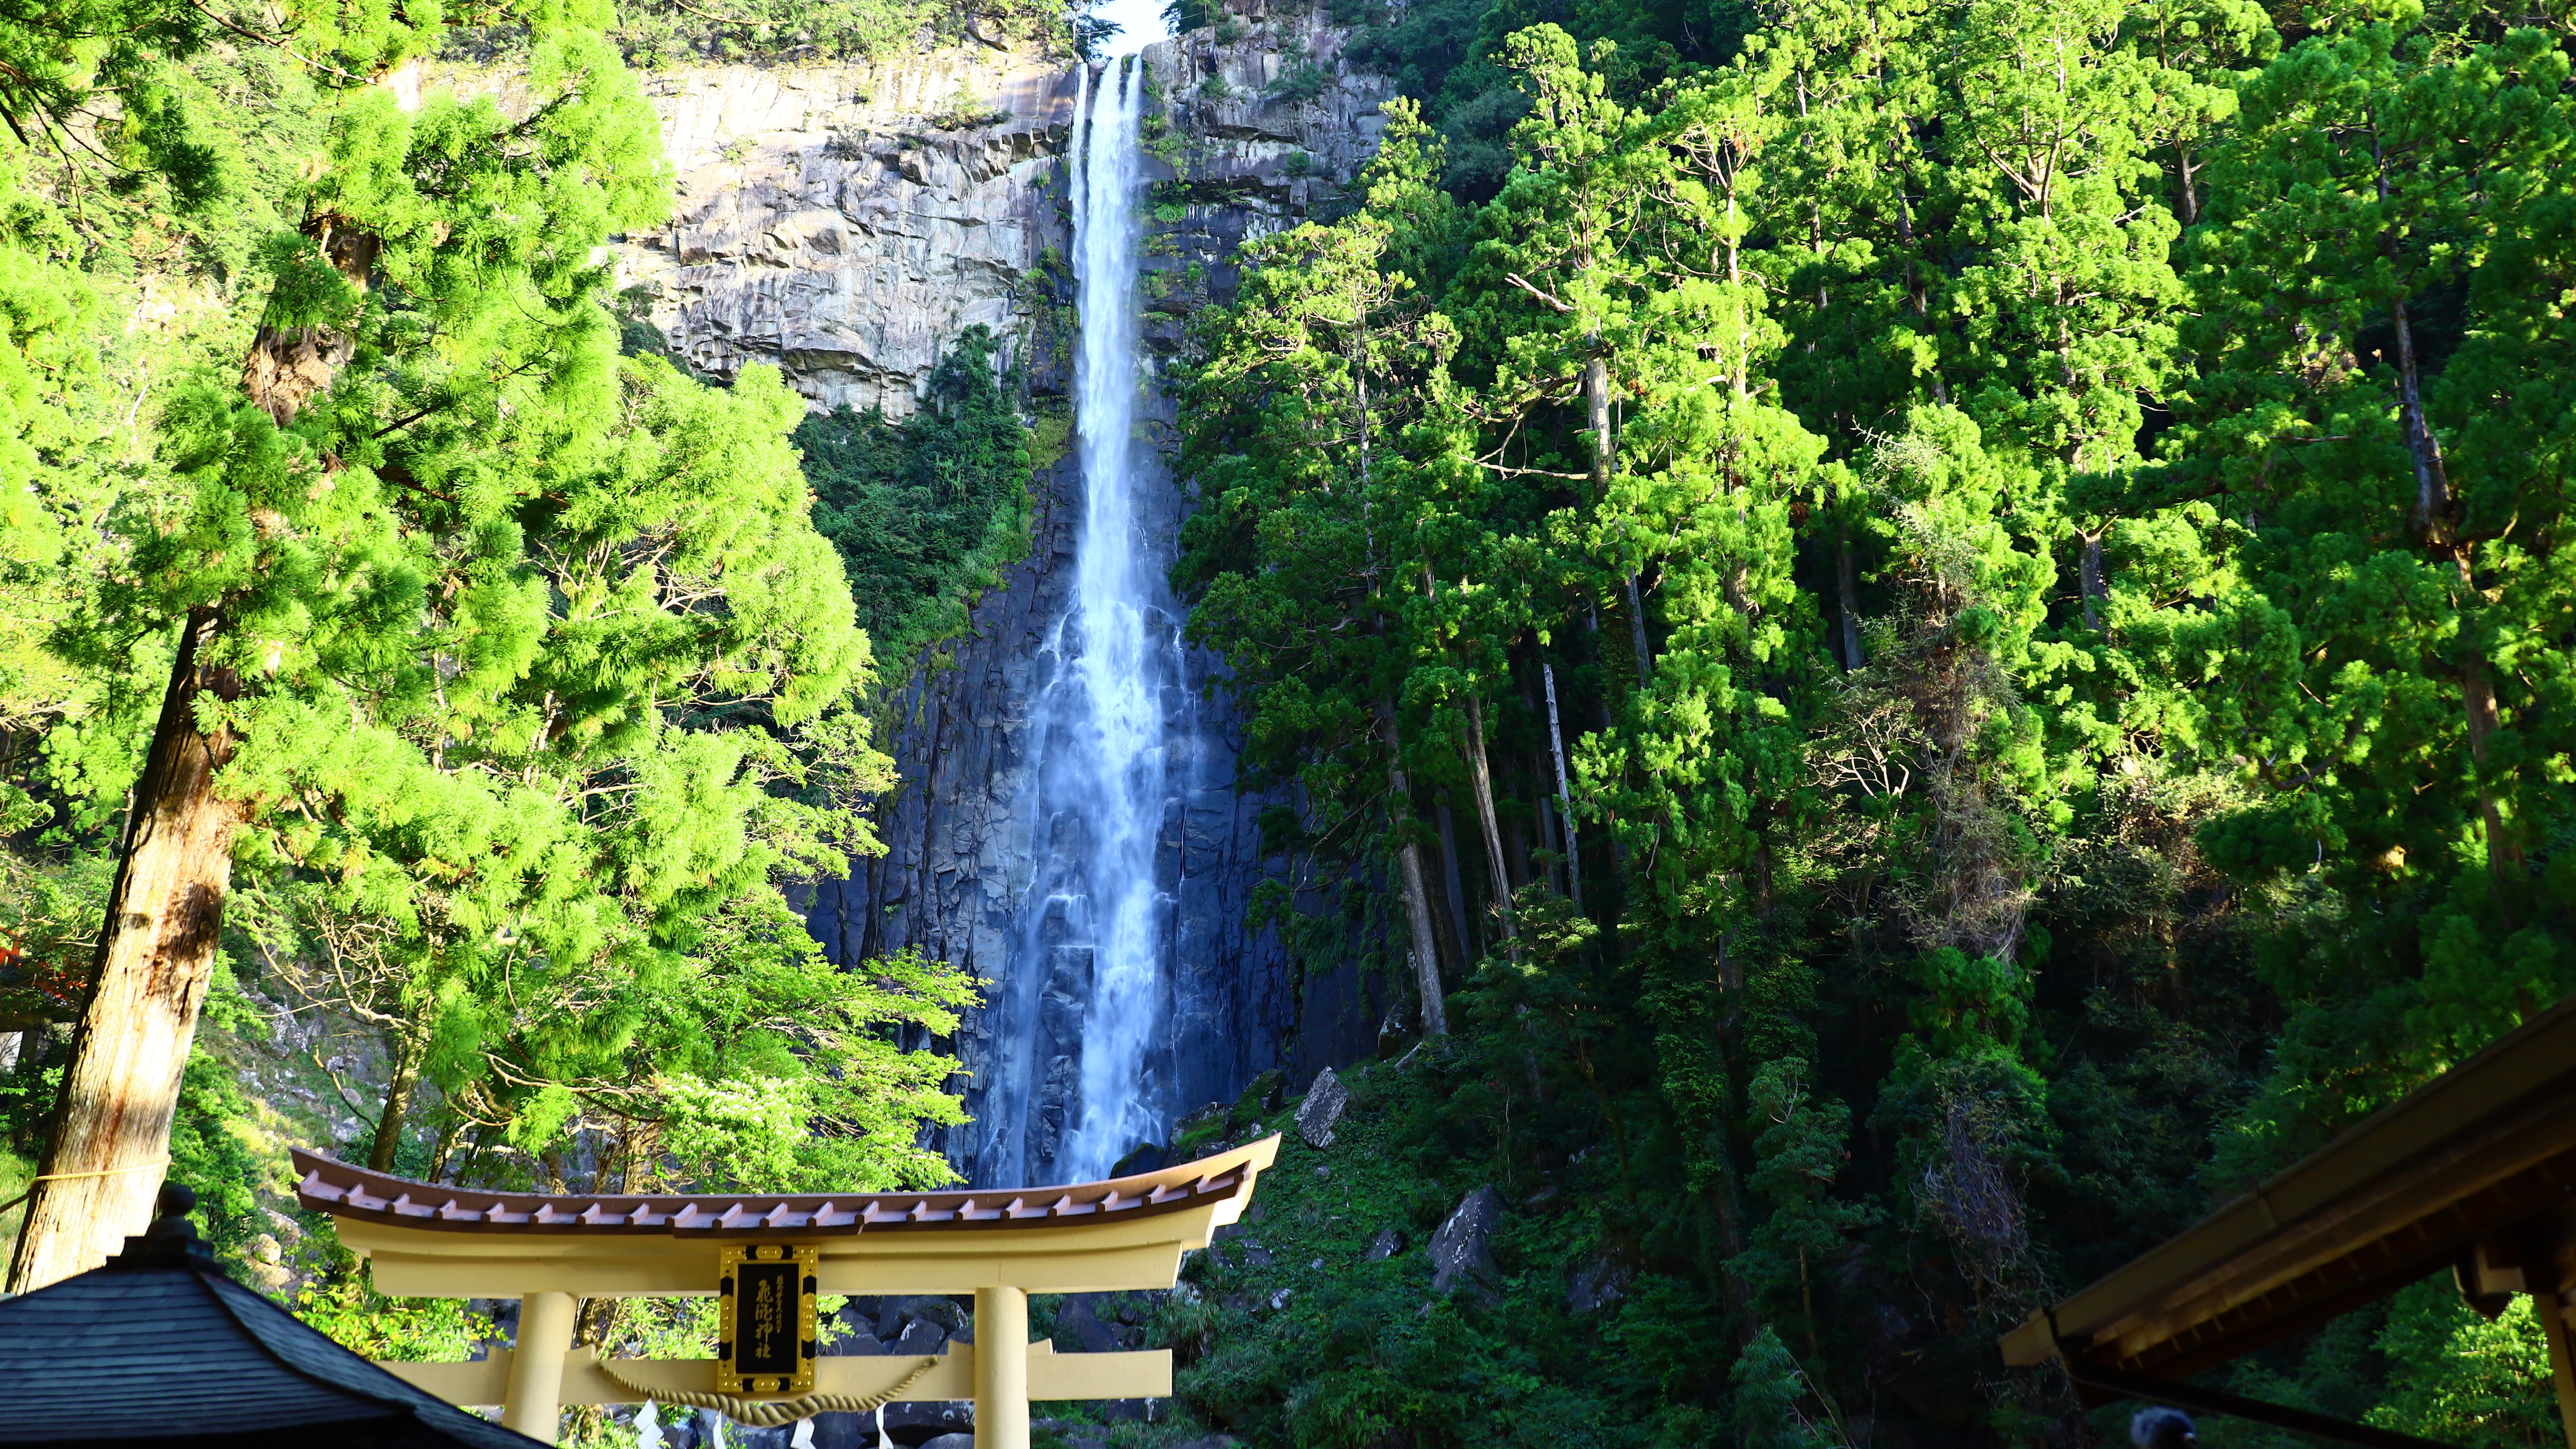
x=847, y=222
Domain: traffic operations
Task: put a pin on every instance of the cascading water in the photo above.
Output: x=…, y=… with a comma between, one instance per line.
x=1086, y=1078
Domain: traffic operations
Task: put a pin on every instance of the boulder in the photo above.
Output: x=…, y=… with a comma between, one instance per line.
x=1260, y=1099
x=1079, y=1330
x=1385, y=1245
x=1462, y=1251
x=920, y=1337
x=1214, y=1114
x=1322, y=1109
x=950, y=1441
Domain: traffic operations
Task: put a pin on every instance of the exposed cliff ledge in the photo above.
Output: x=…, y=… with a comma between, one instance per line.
x=846, y=222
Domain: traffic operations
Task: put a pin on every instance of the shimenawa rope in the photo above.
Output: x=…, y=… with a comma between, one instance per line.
x=68, y=1176
x=768, y=1413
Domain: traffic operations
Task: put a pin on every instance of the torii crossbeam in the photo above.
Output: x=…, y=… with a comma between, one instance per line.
x=549, y=1252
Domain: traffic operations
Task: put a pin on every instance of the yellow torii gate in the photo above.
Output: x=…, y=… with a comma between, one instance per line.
x=768, y=1255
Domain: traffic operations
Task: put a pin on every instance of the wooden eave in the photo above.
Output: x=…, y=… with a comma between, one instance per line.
x=2476, y=1154
x=355, y=1194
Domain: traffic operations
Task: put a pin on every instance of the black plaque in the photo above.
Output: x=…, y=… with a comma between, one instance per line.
x=765, y=1318
x=765, y=1337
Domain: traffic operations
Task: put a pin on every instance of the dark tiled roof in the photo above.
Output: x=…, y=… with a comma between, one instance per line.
x=353, y=1192
x=184, y=1355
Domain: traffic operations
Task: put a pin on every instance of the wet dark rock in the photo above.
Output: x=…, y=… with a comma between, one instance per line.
x=1596, y=1285
x=861, y=1342
x=913, y=1425
x=1255, y=1255
x=1385, y=1245
x=1079, y=1330
x=1322, y=1109
x=920, y=1336
x=1148, y=1158
x=1462, y=1251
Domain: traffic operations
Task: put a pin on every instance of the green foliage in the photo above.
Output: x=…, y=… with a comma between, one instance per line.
x=2474, y=1383
x=2034, y=528
x=662, y=33
x=544, y=686
x=927, y=512
x=1297, y=84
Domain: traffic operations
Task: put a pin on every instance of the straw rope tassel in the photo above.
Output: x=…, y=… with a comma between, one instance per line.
x=769, y=1413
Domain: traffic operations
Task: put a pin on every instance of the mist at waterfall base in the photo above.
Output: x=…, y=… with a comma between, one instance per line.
x=1090, y=1072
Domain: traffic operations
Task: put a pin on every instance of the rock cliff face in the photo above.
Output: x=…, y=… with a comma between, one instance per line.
x=846, y=223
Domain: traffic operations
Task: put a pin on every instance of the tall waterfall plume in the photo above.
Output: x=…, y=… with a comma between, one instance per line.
x=1089, y=1071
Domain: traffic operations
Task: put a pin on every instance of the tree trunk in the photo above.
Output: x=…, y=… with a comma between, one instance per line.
x=1454, y=880
x=1417, y=905
x=408, y=1050
x=111, y=1132
x=1637, y=634
x=165, y=913
x=2432, y=517
x=2477, y=692
x=1847, y=598
x=1482, y=778
x=1564, y=791
x=288, y=365
x=2089, y=581
x=1596, y=404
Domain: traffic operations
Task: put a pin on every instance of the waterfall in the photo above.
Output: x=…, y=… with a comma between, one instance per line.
x=1086, y=1070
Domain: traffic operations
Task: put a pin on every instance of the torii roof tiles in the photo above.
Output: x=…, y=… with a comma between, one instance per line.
x=347, y=1192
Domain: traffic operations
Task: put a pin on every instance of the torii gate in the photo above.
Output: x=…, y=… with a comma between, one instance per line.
x=549, y=1252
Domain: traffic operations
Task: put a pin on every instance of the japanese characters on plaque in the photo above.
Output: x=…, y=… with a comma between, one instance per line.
x=765, y=1318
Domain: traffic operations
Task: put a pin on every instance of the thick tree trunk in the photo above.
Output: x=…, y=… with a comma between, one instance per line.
x=165, y=912
x=111, y=1134
x=288, y=365
x=1417, y=904
x=1481, y=777
x=1564, y=791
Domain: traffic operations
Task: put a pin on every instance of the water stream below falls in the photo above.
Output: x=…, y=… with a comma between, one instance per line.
x=1090, y=1071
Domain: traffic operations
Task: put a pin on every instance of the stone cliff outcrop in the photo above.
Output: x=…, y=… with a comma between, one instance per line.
x=846, y=223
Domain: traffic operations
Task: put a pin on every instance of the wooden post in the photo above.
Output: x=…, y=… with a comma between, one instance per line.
x=2562, y=1365
x=1001, y=1368
x=535, y=1403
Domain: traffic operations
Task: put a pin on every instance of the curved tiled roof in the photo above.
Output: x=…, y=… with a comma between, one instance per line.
x=160, y=1347
x=343, y=1191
